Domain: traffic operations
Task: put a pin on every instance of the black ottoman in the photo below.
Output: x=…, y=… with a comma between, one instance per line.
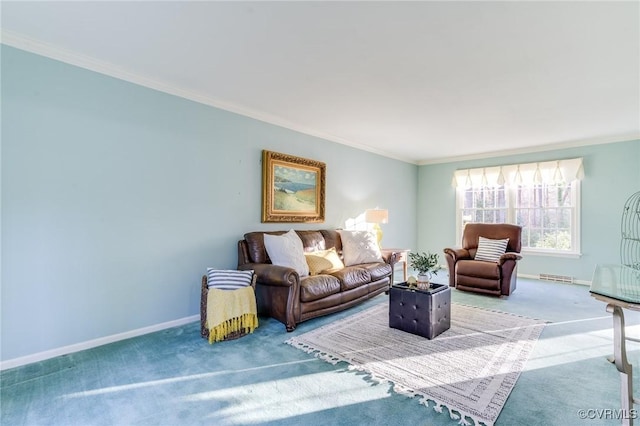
x=426, y=313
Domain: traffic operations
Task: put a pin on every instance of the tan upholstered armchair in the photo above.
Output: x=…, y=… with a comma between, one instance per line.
x=495, y=278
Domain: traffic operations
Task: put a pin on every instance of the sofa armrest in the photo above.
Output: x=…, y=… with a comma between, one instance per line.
x=457, y=253
x=508, y=256
x=277, y=292
x=389, y=256
x=452, y=256
x=272, y=275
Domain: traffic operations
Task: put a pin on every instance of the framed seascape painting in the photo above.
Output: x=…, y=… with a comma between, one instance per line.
x=292, y=188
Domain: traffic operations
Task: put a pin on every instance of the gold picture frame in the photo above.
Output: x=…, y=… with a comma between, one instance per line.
x=293, y=188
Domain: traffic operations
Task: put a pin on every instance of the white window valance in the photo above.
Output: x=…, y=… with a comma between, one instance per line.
x=549, y=172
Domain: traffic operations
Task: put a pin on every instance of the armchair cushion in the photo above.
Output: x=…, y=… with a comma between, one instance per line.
x=490, y=250
x=472, y=268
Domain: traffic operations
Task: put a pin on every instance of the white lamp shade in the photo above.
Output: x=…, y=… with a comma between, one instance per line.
x=376, y=216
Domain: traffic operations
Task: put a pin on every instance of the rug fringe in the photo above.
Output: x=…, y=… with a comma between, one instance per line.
x=463, y=418
x=464, y=422
x=331, y=359
x=424, y=400
x=453, y=414
x=399, y=389
x=410, y=393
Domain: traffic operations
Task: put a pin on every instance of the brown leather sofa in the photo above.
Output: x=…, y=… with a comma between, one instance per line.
x=282, y=294
x=495, y=278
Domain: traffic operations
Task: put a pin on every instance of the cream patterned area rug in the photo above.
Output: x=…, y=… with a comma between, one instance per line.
x=469, y=369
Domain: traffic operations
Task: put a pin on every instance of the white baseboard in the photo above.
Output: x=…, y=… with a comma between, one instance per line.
x=531, y=276
x=41, y=356
x=537, y=277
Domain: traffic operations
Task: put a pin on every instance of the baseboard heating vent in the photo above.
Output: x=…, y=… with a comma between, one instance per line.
x=557, y=278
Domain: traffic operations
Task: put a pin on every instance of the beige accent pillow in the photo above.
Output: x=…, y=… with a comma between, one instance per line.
x=323, y=261
x=287, y=250
x=360, y=247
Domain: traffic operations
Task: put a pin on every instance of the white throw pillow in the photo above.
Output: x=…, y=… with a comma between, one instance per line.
x=491, y=250
x=360, y=247
x=287, y=250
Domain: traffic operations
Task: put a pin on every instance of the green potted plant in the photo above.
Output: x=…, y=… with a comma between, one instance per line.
x=426, y=264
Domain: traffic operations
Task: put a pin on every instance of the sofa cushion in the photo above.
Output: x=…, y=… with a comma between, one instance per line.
x=255, y=246
x=359, y=247
x=318, y=286
x=332, y=239
x=490, y=250
x=323, y=261
x=287, y=250
x=478, y=284
x=377, y=270
x=352, y=276
x=312, y=240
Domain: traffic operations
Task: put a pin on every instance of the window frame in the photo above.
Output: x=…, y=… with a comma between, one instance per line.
x=510, y=197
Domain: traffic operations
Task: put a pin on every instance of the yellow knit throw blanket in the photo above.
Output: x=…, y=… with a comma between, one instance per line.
x=229, y=311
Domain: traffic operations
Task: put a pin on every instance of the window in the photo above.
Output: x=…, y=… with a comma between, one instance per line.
x=544, y=198
x=546, y=213
x=486, y=204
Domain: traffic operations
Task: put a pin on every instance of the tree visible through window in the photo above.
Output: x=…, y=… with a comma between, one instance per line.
x=545, y=213
x=541, y=197
x=486, y=204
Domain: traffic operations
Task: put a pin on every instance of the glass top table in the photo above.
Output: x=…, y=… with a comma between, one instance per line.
x=618, y=283
x=619, y=287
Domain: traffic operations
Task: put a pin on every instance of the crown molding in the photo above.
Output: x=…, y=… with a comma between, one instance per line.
x=41, y=48
x=529, y=150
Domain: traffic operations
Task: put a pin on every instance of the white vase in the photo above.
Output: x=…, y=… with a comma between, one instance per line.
x=423, y=280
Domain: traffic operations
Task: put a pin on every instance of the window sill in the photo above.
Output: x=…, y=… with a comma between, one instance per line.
x=552, y=253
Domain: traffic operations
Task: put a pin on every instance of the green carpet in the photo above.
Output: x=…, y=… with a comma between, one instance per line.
x=174, y=377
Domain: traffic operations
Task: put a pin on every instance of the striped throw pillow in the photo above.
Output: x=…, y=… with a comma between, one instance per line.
x=491, y=250
x=228, y=279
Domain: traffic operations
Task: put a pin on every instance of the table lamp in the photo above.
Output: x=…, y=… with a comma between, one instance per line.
x=377, y=216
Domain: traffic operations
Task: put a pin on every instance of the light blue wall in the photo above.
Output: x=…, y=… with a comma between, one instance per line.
x=115, y=198
x=612, y=174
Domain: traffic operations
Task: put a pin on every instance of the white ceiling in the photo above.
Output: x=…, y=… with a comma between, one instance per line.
x=418, y=81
